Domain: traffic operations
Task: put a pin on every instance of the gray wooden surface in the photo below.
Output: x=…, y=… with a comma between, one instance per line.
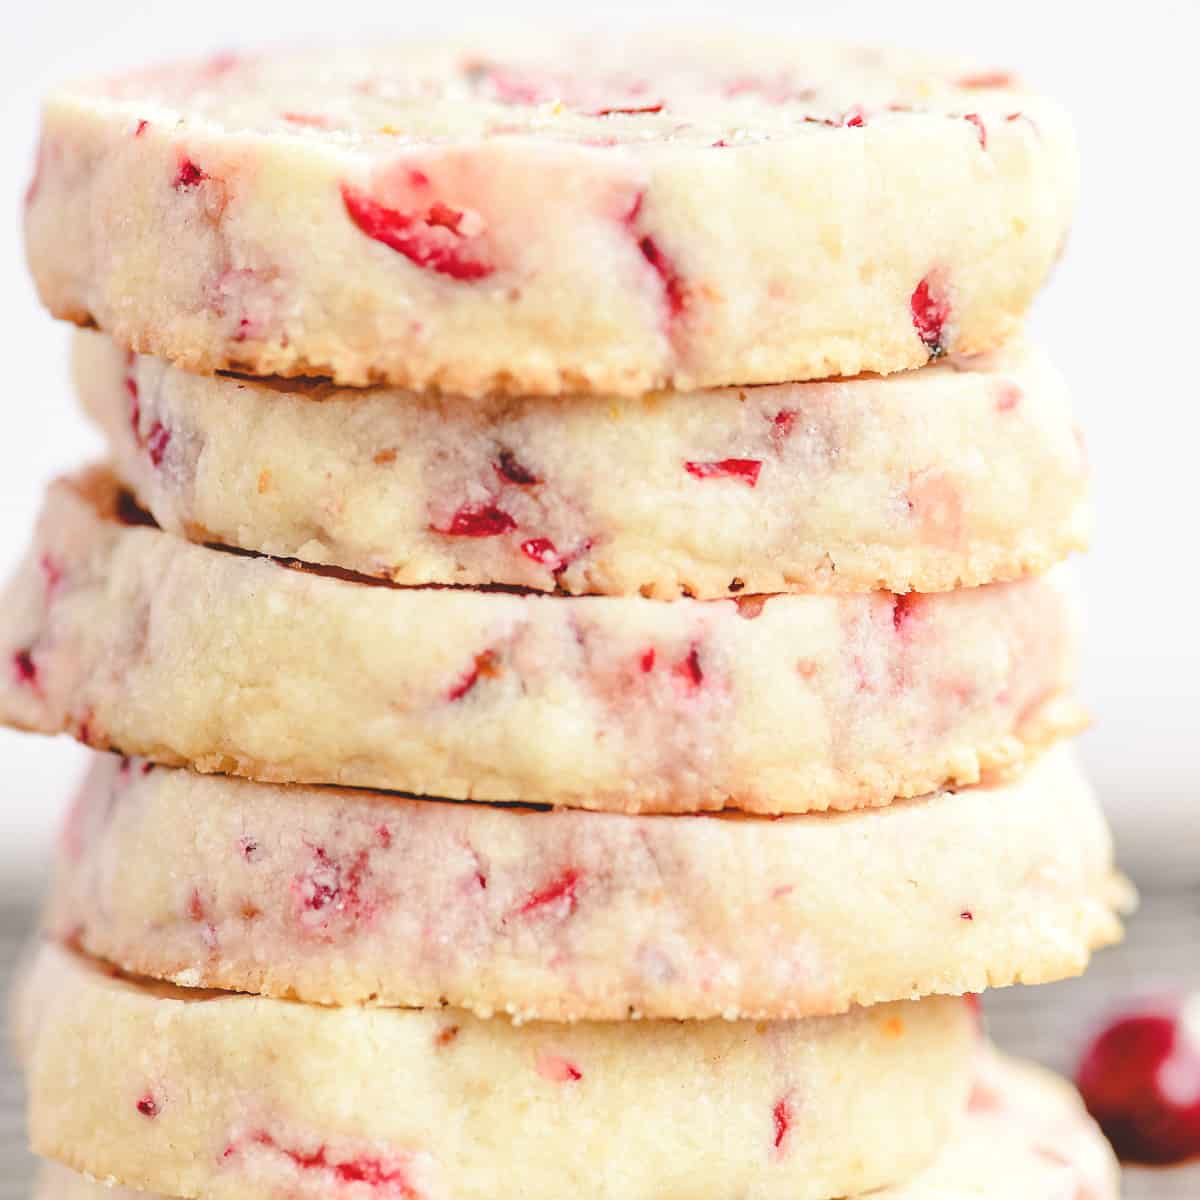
x=1046, y=1023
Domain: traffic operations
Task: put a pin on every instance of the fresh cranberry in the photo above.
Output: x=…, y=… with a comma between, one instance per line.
x=745, y=469
x=441, y=239
x=1140, y=1079
x=930, y=311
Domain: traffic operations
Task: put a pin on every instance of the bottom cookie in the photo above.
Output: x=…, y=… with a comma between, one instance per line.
x=1025, y=1137
x=216, y=1096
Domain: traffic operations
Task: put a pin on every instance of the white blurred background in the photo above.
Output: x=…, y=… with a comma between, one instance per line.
x=1121, y=315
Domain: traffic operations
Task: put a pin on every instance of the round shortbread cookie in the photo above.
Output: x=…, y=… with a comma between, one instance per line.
x=133, y=639
x=959, y=474
x=1025, y=1137
x=342, y=897
x=222, y=1096
x=553, y=216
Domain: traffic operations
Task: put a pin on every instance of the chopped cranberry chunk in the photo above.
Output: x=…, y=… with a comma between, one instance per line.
x=542, y=551
x=930, y=311
x=560, y=894
x=148, y=1107
x=188, y=175
x=745, y=469
x=478, y=521
x=25, y=667
x=442, y=239
x=781, y=1120
x=980, y=128
x=509, y=468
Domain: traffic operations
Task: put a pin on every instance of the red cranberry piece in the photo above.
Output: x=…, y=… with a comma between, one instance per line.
x=25, y=667
x=672, y=281
x=142, y=126
x=512, y=471
x=484, y=666
x=854, y=118
x=558, y=1069
x=439, y=240
x=542, y=551
x=903, y=610
x=980, y=128
x=745, y=469
x=560, y=893
x=781, y=1121
x=647, y=661
x=689, y=669
x=157, y=441
x=1140, y=1079
x=148, y=1107
x=930, y=311
x=477, y=521
x=188, y=175
x=633, y=110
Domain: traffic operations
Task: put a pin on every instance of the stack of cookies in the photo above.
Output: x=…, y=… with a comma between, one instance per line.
x=570, y=625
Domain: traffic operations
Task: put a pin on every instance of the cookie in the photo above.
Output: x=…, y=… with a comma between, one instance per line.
x=345, y=897
x=1026, y=1137
x=554, y=215
x=222, y=1096
x=133, y=639
x=960, y=474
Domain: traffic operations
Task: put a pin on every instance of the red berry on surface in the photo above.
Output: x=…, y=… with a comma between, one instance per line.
x=148, y=1107
x=1140, y=1079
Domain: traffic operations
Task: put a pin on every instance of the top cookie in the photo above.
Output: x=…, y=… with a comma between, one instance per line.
x=552, y=217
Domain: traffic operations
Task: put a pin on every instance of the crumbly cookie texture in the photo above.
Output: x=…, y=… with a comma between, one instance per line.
x=222, y=1096
x=553, y=216
x=347, y=897
x=130, y=638
x=959, y=474
x=1025, y=1137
